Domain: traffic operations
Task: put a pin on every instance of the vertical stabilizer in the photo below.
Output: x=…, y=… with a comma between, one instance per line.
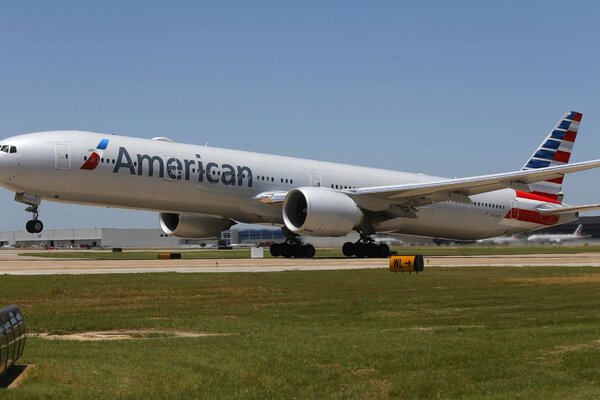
x=555, y=150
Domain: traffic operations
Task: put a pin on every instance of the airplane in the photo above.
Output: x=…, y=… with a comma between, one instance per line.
x=501, y=240
x=558, y=238
x=387, y=239
x=199, y=191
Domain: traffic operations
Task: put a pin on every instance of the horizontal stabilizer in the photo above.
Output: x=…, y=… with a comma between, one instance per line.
x=569, y=209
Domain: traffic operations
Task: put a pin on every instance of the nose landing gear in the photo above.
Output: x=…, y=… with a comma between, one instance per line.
x=33, y=202
x=34, y=225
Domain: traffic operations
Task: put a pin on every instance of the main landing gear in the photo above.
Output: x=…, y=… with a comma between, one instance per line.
x=366, y=247
x=34, y=225
x=292, y=248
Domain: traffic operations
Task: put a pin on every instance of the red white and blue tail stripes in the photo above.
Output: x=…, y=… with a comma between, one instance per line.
x=554, y=150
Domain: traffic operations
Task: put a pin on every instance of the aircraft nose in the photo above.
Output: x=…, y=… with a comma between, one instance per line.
x=5, y=166
x=3, y=171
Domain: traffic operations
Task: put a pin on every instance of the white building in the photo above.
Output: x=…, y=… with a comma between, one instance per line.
x=97, y=237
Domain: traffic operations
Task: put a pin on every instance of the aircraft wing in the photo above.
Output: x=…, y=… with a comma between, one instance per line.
x=458, y=189
x=569, y=209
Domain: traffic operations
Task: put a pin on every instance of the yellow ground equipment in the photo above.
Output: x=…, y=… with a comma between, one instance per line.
x=407, y=263
x=169, y=256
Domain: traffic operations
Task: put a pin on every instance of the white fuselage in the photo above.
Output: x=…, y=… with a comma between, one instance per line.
x=164, y=176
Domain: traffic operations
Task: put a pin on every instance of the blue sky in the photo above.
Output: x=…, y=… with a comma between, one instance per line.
x=445, y=88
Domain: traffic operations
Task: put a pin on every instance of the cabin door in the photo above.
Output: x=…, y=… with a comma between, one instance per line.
x=63, y=157
x=315, y=180
x=514, y=209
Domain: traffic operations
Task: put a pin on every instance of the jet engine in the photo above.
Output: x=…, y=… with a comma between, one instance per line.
x=193, y=226
x=319, y=211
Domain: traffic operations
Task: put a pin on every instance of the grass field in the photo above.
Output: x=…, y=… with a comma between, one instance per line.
x=501, y=333
x=323, y=253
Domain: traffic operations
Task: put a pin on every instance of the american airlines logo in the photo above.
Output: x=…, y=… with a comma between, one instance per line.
x=93, y=159
x=184, y=169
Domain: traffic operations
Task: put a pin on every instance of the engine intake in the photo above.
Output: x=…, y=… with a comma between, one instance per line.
x=193, y=226
x=319, y=211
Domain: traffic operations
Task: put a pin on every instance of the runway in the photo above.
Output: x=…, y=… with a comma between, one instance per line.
x=13, y=264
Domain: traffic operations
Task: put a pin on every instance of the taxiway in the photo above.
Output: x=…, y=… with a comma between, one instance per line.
x=12, y=263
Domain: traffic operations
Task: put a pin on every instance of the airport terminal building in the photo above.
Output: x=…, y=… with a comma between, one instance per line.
x=130, y=238
x=95, y=237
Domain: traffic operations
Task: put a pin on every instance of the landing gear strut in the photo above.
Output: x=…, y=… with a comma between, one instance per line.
x=366, y=247
x=292, y=247
x=34, y=225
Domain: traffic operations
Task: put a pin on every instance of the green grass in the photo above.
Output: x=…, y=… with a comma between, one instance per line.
x=501, y=333
x=322, y=253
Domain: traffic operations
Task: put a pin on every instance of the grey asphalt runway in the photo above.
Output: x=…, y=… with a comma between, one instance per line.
x=13, y=264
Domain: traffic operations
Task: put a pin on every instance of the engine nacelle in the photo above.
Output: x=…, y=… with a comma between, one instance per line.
x=317, y=211
x=193, y=226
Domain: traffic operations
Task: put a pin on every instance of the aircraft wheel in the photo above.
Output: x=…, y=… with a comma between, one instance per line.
x=38, y=226
x=298, y=251
x=275, y=249
x=286, y=250
x=360, y=250
x=384, y=250
x=372, y=250
x=348, y=249
x=34, y=226
x=29, y=226
x=309, y=251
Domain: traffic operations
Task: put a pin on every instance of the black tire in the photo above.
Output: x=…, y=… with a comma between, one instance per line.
x=372, y=250
x=29, y=226
x=348, y=249
x=309, y=251
x=38, y=226
x=275, y=249
x=286, y=250
x=360, y=250
x=298, y=251
x=384, y=250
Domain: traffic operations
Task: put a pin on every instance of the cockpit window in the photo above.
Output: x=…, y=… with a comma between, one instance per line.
x=8, y=149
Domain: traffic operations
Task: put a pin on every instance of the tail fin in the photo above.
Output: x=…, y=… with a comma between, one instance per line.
x=578, y=232
x=555, y=150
